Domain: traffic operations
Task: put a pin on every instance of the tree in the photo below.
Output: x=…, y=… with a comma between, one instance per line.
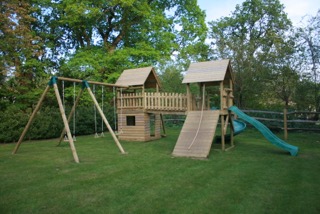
x=20, y=51
x=143, y=31
x=171, y=78
x=254, y=37
x=308, y=46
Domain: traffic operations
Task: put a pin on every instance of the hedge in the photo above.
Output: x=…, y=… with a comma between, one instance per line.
x=48, y=123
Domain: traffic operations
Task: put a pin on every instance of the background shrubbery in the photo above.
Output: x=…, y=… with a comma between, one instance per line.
x=48, y=123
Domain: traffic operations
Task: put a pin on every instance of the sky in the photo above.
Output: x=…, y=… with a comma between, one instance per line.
x=296, y=9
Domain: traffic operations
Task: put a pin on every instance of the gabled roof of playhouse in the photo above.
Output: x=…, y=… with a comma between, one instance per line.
x=210, y=71
x=138, y=77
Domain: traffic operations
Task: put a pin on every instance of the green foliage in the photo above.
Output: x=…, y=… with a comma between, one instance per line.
x=171, y=80
x=308, y=51
x=12, y=123
x=145, y=28
x=304, y=96
x=48, y=122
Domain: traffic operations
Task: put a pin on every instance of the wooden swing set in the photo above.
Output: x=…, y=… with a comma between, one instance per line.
x=85, y=85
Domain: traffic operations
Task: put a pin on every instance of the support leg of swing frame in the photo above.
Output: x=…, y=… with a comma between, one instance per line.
x=63, y=132
x=66, y=124
x=31, y=119
x=106, y=121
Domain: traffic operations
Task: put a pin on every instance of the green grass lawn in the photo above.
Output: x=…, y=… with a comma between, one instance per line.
x=254, y=177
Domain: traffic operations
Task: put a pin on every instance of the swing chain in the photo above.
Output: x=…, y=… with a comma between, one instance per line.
x=64, y=108
x=74, y=113
x=102, y=100
x=95, y=114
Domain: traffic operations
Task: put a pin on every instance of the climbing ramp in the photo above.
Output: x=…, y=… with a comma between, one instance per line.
x=197, y=134
x=266, y=132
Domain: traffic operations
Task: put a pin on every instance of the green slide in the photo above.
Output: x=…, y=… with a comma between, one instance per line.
x=266, y=132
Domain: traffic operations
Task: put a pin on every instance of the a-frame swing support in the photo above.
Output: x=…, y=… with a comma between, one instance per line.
x=53, y=83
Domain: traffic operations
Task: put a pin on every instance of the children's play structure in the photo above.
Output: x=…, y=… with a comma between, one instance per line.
x=70, y=138
x=141, y=106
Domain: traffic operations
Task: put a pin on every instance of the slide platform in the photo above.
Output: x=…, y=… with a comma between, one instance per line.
x=266, y=132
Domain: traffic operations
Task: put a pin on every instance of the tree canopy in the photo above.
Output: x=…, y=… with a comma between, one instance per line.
x=255, y=38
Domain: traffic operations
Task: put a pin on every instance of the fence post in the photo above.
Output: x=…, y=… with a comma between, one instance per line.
x=285, y=123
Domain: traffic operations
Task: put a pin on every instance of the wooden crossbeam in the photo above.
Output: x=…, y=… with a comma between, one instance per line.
x=92, y=82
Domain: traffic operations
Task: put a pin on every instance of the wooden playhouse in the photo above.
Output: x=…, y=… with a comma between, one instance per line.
x=140, y=107
x=199, y=129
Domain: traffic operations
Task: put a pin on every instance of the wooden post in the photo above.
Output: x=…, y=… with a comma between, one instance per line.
x=231, y=93
x=31, y=119
x=66, y=124
x=226, y=124
x=189, y=99
x=231, y=129
x=221, y=97
x=71, y=114
x=106, y=121
x=163, y=125
x=222, y=110
x=285, y=123
x=143, y=98
x=223, y=146
x=201, y=97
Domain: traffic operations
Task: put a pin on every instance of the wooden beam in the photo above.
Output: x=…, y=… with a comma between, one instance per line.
x=163, y=125
x=189, y=98
x=231, y=87
x=143, y=98
x=221, y=97
x=66, y=124
x=106, y=121
x=222, y=133
x=92, y=82
x=226, y=124
x=231, y=129
x=31, y=119
x=70, y=115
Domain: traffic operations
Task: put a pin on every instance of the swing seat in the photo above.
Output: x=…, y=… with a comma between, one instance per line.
x=65, y=138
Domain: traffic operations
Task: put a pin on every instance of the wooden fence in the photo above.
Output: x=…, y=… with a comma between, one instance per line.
x=295, y=120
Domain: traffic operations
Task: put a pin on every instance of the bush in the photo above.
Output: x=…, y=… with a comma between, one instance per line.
x=48, y=122
x=12, y=123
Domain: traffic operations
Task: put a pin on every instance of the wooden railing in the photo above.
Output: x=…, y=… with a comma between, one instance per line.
x=154, y=101
x=130, y=101
x=166, y=101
